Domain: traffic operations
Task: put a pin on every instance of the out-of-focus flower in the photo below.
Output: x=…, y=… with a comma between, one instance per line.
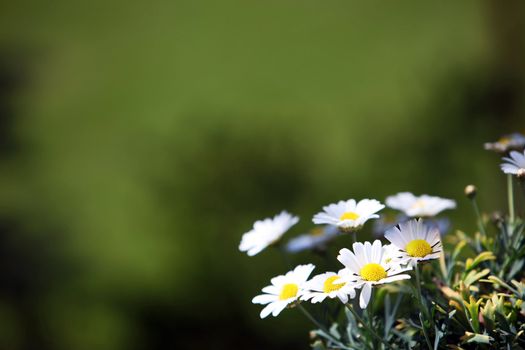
x=317, y=238
x=284, y=290
x=349, y=215
x=266, y=232
x=514, y=141
x=419, y=206
x=368, y=266
x=385, y=223
x=415, y=241
x=514, y=163
x=329, y=285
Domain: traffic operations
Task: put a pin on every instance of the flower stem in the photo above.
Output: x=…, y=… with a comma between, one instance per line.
x=354, y=236
x=423, y=307
x=370, y=312
x=367, y=327
x=318, y=324
x=427, y=338
x=510, y=193
x=478, y=216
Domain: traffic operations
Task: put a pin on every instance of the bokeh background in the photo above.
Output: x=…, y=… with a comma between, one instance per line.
x=139, y=140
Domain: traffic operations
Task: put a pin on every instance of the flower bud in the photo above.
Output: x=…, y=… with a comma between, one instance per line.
x=496, y=217
x=470, y=191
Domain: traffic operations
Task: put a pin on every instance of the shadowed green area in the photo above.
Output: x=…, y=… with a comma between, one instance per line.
x=149, y=137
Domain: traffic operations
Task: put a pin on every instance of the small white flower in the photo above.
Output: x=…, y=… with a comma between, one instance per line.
x=349, y=215
x=284, y=290
x=514, y=163
x=329, y=285
x=422, y=206
x=369, y=265
x=415, y=241
x=514, y=141
x=318, y=238
x=266, y=232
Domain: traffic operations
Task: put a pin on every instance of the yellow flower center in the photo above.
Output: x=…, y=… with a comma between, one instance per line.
x=504, y=140
x=317, y=231
x=373, y=272
x=418, y=248
x=349, y=215
x=419, y=204
x=289, y=291
x=329, y=285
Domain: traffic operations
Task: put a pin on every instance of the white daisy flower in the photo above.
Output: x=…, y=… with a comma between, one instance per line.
x=415, y=241
x=266, y=232
x=514, y=164
x=514, y=141
x=329, y=285
x=317, y=238
x=284, y=290
x=349, y=215
x=419, y=206
x=369, y=265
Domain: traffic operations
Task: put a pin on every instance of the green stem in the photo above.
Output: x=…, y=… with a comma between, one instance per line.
x=427, y=338
x=319, y=325
x=354, y=236
x=370, y=312
x=478, y=216
x=423, y=307
x=367, y=327
x=510, y=193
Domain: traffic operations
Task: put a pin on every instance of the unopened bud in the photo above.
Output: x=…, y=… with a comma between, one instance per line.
x=496, y=218
x=470, y=191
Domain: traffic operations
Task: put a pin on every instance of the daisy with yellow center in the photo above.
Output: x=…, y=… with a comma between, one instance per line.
x=370, y=264
x=329, y=285
x=266, y=232
x=419, y=206
x=349, y=215
x=506, y=143
x=415, y=241
x=284, y=290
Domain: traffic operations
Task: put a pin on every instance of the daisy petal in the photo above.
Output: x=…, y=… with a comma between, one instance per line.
x=364, y=297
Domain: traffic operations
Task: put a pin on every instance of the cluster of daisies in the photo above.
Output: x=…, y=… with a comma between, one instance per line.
x=364, y=266
x=411, y=240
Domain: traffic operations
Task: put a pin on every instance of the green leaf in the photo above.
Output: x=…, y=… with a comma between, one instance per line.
x=439, y=335
x=476, y=338
x=473, y=276
x=517, y=266
x=473, y=310
x=484, y=256
x=458, y=249
x=318, y=345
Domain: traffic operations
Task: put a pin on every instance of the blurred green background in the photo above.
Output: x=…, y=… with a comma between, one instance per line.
x=139, y=140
